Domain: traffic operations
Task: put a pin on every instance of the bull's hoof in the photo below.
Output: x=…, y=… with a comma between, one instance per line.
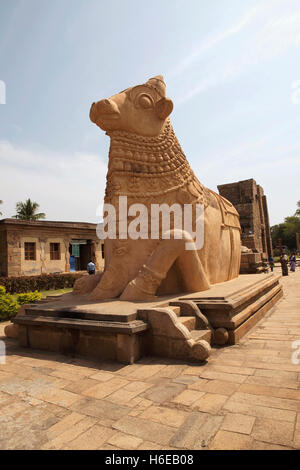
x=86, y=284
x=133, y=293
x=100, y=294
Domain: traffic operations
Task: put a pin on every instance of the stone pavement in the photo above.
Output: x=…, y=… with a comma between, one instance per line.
x=246, y=397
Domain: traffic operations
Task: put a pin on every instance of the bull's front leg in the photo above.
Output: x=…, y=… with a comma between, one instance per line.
x=125, y=258
x=86, y=284
x=112, y=283
x=150, y=276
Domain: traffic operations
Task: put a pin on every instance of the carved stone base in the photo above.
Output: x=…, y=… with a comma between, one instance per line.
x=177, y=327
x=236, y=306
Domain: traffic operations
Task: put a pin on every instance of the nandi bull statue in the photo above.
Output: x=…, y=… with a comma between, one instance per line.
x=147, y=165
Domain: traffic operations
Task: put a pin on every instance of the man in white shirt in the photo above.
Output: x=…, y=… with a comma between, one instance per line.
x=91, y=268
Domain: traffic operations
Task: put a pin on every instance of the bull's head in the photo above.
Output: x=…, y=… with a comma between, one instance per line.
x=142, y=109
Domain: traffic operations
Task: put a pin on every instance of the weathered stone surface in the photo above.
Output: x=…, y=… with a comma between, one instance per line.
x=236, y=422
x=163, y=415
x=63, y=425
x=63, y=439
x=100, y=409
x=226, y=440
x=257, y=415
x=145, y=429
x=215, y=386
x=123, y=441
x=91, y=439
x=210, y=403
x=249, y=200
x=163, y=393
x=197, y=431
x=272, y=431
x=187, y=397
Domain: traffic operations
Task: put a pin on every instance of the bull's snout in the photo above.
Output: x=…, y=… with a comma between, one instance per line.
x=103, y=108
x=106, y=107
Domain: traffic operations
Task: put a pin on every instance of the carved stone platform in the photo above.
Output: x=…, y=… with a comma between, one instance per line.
x=237, y=305
x=181, y=327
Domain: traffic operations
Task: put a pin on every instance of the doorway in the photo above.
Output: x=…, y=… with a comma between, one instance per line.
x=80, y=254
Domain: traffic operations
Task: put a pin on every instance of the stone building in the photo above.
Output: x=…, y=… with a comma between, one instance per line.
x=38, y=247
x=251, y=203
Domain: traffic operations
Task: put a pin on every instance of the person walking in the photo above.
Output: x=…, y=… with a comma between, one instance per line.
x=284, y=264
x=91, y=268
x=293, y=262
x=271, y=263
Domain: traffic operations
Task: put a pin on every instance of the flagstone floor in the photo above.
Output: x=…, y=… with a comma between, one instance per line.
x=246, y=397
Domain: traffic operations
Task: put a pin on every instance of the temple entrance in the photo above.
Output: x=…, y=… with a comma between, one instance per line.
x=80, y=254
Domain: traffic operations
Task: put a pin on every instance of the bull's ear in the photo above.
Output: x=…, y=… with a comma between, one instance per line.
x=164, y=107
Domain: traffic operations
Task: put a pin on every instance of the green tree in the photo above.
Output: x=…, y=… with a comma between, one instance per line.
x=27, y=211
x=1, y=202
x=287, y=230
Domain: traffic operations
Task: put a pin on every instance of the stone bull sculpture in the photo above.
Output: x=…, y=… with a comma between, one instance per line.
x=147, y=164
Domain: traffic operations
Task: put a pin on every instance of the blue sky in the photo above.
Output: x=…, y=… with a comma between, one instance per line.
x=231, y=67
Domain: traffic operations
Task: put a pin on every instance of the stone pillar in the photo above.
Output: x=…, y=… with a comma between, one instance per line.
x=43, y=242
x=3, y=253
x=268, y=229
x=67, y=241
x=13, y=254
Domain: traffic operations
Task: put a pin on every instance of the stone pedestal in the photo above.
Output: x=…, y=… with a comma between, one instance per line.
x=251, y=263
x=181, y=327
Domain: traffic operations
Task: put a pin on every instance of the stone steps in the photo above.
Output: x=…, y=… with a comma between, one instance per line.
x=198, y=335
x=188, y=322
x=175, y=309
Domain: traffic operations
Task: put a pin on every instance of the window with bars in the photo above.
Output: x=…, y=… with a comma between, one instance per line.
x=54, y=251
x=30, y=251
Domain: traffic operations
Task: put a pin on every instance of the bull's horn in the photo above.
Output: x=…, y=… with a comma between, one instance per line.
x=158, y=84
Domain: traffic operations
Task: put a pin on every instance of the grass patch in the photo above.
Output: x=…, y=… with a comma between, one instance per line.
x=56, y=292
x=51, y=292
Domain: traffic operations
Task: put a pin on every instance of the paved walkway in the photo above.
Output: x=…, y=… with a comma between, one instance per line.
x=246, y=397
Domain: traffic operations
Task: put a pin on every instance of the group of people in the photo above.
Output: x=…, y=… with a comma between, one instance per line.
x=284, y=260
x=91, y=268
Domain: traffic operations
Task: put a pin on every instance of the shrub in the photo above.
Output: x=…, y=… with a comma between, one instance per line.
x=8, y=306
x=28, y=297
x=37, y=283
x=2, y=290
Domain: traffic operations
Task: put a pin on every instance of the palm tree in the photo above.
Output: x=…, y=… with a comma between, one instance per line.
x=27, y=211
x=297, y=213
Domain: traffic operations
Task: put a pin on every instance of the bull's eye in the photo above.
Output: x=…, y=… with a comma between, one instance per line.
x=145, y=101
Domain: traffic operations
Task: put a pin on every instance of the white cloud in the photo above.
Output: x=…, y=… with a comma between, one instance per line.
x=265, y=32
x=211, y=42
x=275, y=166
x=67, y=186
x=295, y=96
x=279, y=34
